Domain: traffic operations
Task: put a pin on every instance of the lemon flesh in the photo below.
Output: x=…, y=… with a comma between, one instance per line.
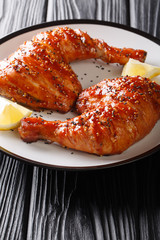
x=11, y=114
x=135, y=68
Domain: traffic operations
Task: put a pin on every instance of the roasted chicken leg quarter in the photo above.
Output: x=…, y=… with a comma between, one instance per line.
x=115, y=114
x=38, y=74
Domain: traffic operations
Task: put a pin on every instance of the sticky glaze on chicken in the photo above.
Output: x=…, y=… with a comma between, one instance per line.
x=115, y=114
x=38, y=74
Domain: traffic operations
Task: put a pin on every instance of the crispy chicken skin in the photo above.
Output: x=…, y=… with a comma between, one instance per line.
x=38, y=74
x=115, y=114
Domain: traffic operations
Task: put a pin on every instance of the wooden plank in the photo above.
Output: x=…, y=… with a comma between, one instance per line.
x=116, y=203
x=145, y=15
x=110, y=10
x=15, y=187
x=15, y=15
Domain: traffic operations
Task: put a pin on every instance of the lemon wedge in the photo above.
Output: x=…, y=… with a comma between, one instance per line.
x=135, y=67
x=11, y=113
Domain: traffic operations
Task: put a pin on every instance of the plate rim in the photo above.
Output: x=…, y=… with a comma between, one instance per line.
x=79, y=21
x=87, y=168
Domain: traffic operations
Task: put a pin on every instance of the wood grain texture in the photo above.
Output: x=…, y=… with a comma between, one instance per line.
x=119, y=203
x=145, y=15
x=17, y=14
x=15, y=182
x=110, y=10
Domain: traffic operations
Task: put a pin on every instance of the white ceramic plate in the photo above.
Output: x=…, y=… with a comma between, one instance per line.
x=89, y=72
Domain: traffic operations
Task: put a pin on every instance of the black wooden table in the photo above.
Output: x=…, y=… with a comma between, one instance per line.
x=114, y=203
